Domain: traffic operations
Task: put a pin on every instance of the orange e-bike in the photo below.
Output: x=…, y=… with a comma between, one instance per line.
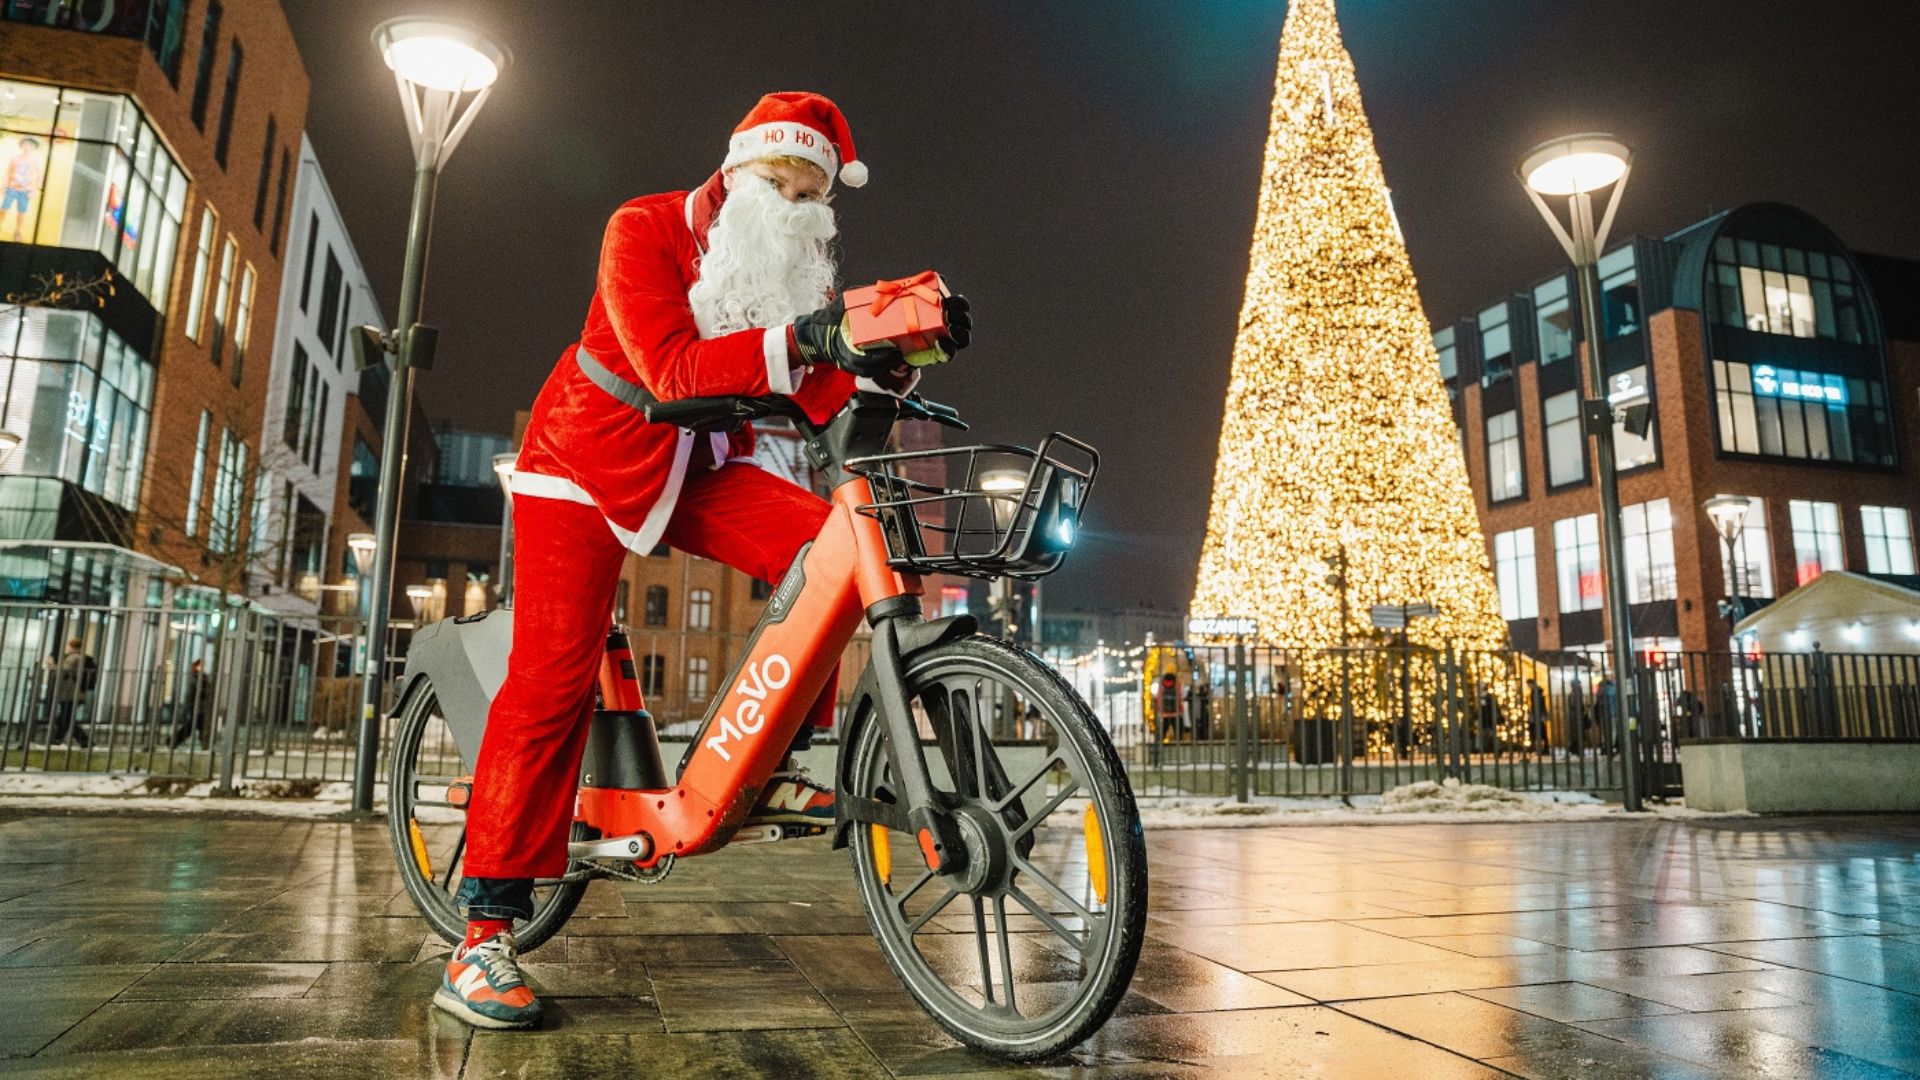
x=996, y=844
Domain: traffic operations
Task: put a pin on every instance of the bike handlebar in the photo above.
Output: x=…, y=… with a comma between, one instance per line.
x=729, y=411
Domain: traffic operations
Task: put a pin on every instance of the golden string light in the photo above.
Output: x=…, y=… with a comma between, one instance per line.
x=1338, y=440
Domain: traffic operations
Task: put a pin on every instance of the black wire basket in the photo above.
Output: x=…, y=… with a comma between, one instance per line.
x=1015, y=512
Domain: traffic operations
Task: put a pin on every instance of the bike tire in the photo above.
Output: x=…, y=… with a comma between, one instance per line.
x=1121, y=919
x=553, y=905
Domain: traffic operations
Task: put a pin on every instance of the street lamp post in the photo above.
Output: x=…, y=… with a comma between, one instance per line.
x=1577, y=167
x=444, y=70
x=503, y=471
x=1729, y=516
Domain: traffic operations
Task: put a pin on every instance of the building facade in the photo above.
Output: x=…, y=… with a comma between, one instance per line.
x=1777, y=364
x=147, y=153
x=310, y=380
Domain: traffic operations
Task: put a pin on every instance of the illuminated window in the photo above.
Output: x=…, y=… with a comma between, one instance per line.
x=1816, y=539
x=1619, y=294
x=1772, y=289
x=1553, y=320
x=1496, y=344
x=621, y=592
x=242, y=321
x=1449, y=355
x=222, y=295
x=1506, y=478
x=199, y=472
x=1630, y=450
x=697, y=678
x=1647, y=532
x=85, y=170
x=1513, y=568
x=78, y=396
x=700, y=610
x=1784, y=412
x=1888, y=531
x=1753, y=553
x=229, y=492
x=1566, y=449
x=1576, y=561
x=202, y=259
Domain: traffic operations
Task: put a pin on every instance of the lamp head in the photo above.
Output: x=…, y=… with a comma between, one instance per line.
x=1005, y=486
x=441, y=54
x=9, y=442
x=1575, y=164
x=1728, y=513
x=418, y=595
x=503, y=465
x=361, y=546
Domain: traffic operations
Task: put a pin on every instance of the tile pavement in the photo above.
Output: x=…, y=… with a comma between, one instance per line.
x=230, y=947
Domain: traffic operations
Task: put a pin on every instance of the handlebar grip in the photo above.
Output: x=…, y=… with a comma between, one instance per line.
x=692, y=412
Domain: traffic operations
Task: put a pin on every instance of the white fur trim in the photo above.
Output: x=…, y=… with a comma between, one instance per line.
x=854, y=174
x=870, y=386
x=773, y=345
x=698, y=246
x=640, y=541
x=780, y=139
x=547, y=487
x=718, y=441
x=648, y=536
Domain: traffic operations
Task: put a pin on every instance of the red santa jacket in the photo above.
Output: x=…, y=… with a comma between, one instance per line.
x=584, y=445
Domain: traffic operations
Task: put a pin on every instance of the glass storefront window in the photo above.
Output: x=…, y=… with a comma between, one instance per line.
x=78, y=397
x=1772, y=289
x=1784, y=412
x=1449, y=358
x=1619, y=294
x=1553, y=320
x=85, y=170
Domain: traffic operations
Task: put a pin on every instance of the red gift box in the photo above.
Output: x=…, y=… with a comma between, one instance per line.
x=905, y=312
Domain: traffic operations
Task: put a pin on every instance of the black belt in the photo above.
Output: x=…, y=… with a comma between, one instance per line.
x=626, y=393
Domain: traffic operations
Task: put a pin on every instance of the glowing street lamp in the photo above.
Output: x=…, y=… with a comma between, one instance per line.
x=444, y=69
x=1577, y=167
x=361, y=547
x=9, y=442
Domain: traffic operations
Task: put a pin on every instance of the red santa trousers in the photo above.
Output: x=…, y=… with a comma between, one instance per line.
x=566, y=565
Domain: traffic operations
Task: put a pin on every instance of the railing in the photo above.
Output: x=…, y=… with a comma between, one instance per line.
x=277, y=695
x=272, y=697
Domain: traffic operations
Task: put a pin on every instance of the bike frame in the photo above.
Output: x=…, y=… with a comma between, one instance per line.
x=840, y=576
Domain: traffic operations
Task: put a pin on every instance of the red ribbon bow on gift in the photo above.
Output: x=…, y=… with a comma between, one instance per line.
x=923, y=286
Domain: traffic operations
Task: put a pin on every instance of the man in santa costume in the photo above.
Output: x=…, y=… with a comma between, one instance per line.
x=727, y=289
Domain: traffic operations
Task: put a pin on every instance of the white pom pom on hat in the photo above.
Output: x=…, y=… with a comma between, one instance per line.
x=798, y=124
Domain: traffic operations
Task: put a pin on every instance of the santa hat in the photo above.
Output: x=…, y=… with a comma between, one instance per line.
x=802, y=125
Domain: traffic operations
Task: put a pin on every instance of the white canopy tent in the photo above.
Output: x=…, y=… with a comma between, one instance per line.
x=1840, y=612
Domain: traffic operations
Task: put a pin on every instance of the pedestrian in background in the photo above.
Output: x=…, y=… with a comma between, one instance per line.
x=194, y=715
x=73, y=682
x=1537, y=717
x=1200, y=705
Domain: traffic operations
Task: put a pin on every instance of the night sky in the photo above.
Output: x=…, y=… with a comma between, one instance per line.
x=1085, y=171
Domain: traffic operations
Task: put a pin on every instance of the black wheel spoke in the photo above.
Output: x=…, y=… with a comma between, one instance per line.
x=980, y=943
x=1081, y=944
x=1006, y=949
x=459, y=849
x=1052, y=805
x=939, y=906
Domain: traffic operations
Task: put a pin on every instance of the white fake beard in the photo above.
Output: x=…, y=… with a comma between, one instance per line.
x=768, y=260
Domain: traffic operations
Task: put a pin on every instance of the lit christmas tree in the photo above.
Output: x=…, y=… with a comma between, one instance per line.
x=1338, y=441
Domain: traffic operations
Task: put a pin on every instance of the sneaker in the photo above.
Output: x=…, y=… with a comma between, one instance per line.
x=791, y=797
x=483, y=986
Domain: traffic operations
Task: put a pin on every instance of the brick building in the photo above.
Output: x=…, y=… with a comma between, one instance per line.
x=1780, y=365
x=152, y=141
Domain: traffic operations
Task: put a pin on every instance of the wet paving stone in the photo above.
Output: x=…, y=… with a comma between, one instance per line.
x=248, y=947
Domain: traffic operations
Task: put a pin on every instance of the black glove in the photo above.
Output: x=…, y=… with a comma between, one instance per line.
x=959, y=334
x=822, y=337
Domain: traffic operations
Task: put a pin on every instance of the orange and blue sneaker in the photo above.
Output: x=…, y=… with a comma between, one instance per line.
x=483, y=986
x=792, y=799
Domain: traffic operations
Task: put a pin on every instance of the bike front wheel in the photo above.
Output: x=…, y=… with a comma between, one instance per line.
x=1027, y=949
x=428, y=829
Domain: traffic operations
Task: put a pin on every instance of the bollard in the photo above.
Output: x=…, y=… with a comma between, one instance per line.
x=1240, y=719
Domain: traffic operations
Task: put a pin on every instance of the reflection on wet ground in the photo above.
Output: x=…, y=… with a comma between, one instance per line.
x=1725, y=948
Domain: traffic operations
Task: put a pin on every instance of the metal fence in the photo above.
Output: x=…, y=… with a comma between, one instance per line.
x=275, y=697
x=189, y=693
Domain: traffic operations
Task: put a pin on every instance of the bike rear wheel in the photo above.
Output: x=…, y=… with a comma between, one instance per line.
x=429, y=832
x=1028, y=949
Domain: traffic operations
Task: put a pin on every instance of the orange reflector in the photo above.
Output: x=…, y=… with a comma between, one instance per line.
x=1096, y=854
x=419, y=848
x=928, y=849
x=882, y=853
